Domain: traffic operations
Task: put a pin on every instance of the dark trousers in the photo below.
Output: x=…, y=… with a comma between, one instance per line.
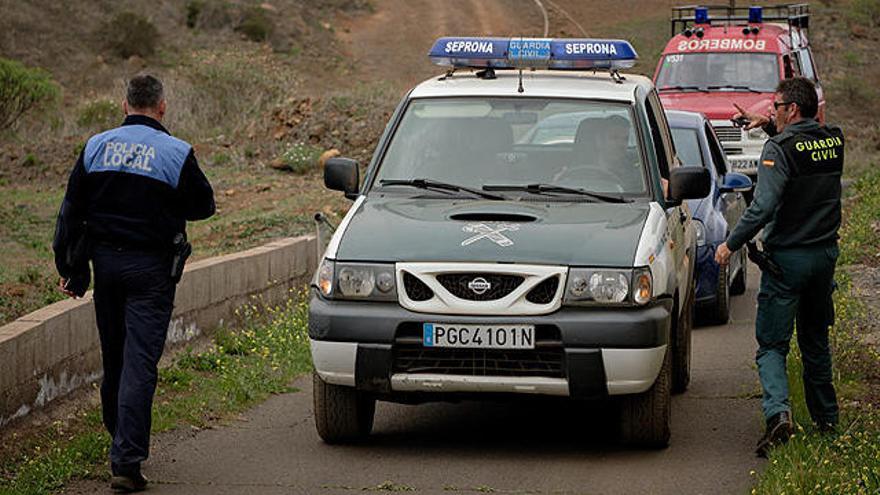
x=803, y=295
x=134, y=296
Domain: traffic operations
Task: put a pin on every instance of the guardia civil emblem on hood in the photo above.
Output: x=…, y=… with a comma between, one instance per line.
x=489, y=232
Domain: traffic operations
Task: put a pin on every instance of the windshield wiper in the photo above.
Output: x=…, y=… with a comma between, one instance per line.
x=436, y=184
x=552, y=188
x=684, y=88
x=735, y=86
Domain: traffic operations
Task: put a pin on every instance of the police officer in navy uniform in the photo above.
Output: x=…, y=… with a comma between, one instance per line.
x=797, y=203
x=130, y=193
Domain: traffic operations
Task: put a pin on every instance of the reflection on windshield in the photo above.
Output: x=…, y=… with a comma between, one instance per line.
x=476, y=141
x=758, y=71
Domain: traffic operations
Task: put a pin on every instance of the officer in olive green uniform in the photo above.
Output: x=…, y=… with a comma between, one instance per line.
x=797, y=203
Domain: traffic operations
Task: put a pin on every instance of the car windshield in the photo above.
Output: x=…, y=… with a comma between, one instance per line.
x=474, y=142
x=687, y=146
x=719, y=71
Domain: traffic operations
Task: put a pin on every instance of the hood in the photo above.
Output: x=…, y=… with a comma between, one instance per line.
x=716, y=105
x=424, y=230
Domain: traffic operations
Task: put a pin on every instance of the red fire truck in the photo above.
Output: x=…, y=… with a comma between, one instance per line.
x=721, y=55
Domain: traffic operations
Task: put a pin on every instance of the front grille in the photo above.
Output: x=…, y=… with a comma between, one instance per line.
x=725, y=133
x=547, y=359
x=415, y=288
x=544, y=292
x=496, y=285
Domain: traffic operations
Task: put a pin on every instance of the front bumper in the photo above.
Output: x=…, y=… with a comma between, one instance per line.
x=599, y=351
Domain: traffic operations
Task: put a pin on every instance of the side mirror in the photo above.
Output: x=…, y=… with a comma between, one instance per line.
x=342, y=174
x=735, y=182
x=689, y=183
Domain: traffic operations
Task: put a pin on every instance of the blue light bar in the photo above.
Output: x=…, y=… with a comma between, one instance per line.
x=701, y=15
x=513, y=53
x=756, y=15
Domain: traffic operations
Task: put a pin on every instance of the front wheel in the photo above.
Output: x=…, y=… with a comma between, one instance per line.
x=342, y=414
x=645, y=417
x=721, y=308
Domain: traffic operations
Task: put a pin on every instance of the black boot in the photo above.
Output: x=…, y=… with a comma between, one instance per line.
x=127, y=478
x=779, y=429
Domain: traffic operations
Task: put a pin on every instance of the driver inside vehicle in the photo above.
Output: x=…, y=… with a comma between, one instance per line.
x=602, y=156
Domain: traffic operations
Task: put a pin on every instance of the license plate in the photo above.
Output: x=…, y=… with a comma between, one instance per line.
x=529, y=50
x=478, y=337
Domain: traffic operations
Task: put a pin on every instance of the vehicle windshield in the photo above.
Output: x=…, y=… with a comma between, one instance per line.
x=473, y=142
x=687, y=147
x=719, y=71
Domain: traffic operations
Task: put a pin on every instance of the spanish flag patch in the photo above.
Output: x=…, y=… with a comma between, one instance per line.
x=768, y=163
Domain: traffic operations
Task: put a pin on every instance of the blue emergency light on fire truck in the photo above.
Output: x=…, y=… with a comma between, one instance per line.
x=538, y=53
x=688, y=19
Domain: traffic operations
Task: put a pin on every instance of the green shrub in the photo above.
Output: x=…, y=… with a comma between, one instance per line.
x=256, y=25
x=208, y=14
x=22, y=89
x=102, y=114
x=300, y=157
x=128, y=34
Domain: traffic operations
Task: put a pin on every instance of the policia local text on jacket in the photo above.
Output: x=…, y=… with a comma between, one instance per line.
x=131, y=191
x=797, y=203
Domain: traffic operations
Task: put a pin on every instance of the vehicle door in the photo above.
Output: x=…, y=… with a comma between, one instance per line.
x=680, y=234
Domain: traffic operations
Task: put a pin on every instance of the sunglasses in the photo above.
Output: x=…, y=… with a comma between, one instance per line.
x=777, y=104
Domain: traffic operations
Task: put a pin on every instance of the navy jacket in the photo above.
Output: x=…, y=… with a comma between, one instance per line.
x=133, y=187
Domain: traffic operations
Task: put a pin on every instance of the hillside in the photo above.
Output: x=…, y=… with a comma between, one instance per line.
x=260, y=85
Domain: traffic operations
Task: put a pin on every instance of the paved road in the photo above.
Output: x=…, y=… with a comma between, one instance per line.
x=539, y=447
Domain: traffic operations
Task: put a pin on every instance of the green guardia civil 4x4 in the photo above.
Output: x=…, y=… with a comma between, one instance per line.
x=511, y=236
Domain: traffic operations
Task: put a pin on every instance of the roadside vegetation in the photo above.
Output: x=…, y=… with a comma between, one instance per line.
x=848, y=461
x=257, y=356
x=245, y=88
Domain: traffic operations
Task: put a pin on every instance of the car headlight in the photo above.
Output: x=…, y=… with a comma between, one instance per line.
x=357, y=281
x=700, y=227
x=609, y=286
x=758, y=133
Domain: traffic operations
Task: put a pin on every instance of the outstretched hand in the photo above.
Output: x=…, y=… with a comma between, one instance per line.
x=755, y=120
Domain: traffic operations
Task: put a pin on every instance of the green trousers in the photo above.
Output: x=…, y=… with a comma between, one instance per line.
x=803, y=295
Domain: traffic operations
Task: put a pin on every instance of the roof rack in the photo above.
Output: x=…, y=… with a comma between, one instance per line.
x=797, y=15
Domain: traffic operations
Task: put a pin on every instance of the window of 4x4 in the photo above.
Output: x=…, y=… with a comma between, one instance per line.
x=475, y=141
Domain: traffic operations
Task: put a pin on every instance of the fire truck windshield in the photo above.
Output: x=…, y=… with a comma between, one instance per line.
x=755, y=72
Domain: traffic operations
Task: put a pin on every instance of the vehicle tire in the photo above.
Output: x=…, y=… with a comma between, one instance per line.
x=738, y=286
x=342, y=414
x=645, y=417
x=721, y=308
x=681, y=348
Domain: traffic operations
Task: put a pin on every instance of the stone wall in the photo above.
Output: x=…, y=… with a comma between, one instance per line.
x=51, y=352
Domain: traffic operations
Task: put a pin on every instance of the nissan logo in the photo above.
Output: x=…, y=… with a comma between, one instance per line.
x=479, y=286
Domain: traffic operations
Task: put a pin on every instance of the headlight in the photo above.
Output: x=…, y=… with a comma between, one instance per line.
x=700, y=227
x=357, y=281
x=758, y=133
x=609, y=286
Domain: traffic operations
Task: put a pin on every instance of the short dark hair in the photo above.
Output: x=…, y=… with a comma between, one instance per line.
x=144, y=91
x=802, y=91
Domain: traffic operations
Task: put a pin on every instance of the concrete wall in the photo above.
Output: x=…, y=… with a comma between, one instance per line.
x=51, y=352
